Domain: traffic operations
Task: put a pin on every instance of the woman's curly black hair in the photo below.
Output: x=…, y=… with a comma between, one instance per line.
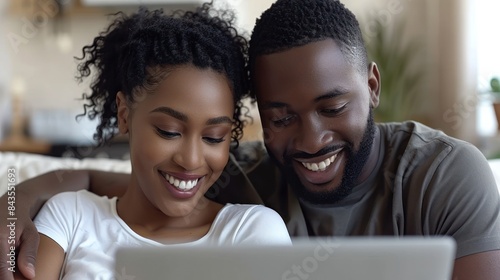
x=293, y=23
x=135, y=52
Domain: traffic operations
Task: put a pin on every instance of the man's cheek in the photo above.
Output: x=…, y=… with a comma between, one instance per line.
x=273, y=134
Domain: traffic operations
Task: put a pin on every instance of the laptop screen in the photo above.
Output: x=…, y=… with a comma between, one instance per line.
x=356, y=258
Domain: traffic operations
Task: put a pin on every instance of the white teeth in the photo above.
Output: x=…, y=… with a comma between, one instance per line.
x=320, y=166
x=314, y=167
x=181, y=184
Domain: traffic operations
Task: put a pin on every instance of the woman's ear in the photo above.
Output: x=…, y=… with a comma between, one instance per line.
x=122, y=112
x=374, y=84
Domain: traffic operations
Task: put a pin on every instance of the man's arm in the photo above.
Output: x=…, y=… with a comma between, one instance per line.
x=466, y=206
x=481, y=266
x=30, y=195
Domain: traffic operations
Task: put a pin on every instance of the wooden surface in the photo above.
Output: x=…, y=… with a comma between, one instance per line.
x=24, y=145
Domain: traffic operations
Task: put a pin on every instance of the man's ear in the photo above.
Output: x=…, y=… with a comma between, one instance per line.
x=374, y=84
x=122, y=112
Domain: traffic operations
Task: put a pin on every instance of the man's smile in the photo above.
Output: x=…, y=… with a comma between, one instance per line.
x=319, y=170
x=319, y=166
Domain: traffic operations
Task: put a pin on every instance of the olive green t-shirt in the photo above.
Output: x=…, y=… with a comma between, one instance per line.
x=424, y=183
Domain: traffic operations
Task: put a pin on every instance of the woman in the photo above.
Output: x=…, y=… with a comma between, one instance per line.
x=174, y=85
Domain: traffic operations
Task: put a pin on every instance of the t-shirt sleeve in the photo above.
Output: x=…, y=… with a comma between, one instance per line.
x=463, y=201
x=262, y=226
x=56, y=219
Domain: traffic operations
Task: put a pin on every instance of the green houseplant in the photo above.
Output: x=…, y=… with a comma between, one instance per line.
x=401, y=73
x=495, y=86
x=495, y=94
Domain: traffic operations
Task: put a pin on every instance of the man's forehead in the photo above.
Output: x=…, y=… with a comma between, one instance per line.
x=303, y=52
x=317, y=66
x=313, y=59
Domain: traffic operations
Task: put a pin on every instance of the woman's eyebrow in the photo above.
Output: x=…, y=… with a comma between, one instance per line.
x=184, y=118
x=171, y=112
x=219, y=120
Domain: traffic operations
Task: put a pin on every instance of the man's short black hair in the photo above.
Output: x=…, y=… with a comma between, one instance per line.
x=293, y=23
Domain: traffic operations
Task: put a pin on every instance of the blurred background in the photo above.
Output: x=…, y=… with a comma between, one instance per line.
x=437, y=59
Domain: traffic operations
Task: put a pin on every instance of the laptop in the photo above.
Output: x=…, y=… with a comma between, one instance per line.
x=346, y=258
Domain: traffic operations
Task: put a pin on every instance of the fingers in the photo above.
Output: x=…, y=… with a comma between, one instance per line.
x=6, y=266
x=28, y=248
x=19, y=276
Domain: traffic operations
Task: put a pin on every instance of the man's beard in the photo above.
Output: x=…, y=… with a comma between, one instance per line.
x=355, y=162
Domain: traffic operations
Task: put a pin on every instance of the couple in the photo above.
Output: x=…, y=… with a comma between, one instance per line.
x=328, y=169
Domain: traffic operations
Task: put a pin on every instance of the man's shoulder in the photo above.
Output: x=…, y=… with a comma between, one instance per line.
x=414, y=131
x=413, y=137
x=413, y=148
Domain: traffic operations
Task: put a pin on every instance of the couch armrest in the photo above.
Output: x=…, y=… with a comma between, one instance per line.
x=495, y=167
x=27, y=166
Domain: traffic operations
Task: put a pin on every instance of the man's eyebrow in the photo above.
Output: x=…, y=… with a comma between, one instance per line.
x=171, y=112
x=331, y=94
x=273, y=105
x=219, y=120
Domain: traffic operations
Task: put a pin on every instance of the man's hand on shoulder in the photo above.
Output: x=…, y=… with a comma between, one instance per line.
x=18, y=239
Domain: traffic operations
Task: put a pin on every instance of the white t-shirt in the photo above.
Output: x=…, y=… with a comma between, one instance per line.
x=89, y=230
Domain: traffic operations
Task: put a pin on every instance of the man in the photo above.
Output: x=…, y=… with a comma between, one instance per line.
x=331, y=170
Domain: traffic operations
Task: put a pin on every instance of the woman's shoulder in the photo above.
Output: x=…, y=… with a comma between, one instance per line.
x=78, y=198
x=249, y=212
x=254, y=224
x=245, y=209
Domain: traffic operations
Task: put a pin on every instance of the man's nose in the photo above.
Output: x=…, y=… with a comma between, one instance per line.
x=311, y=135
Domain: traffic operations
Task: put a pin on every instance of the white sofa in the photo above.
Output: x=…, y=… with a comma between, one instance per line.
x=29, y=165
x=495, y=167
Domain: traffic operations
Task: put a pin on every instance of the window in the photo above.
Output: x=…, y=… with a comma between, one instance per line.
x=488, y=60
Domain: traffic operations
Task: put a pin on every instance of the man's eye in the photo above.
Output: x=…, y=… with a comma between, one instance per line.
x=334, y=111
x=282, y=121
x=167, y=134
